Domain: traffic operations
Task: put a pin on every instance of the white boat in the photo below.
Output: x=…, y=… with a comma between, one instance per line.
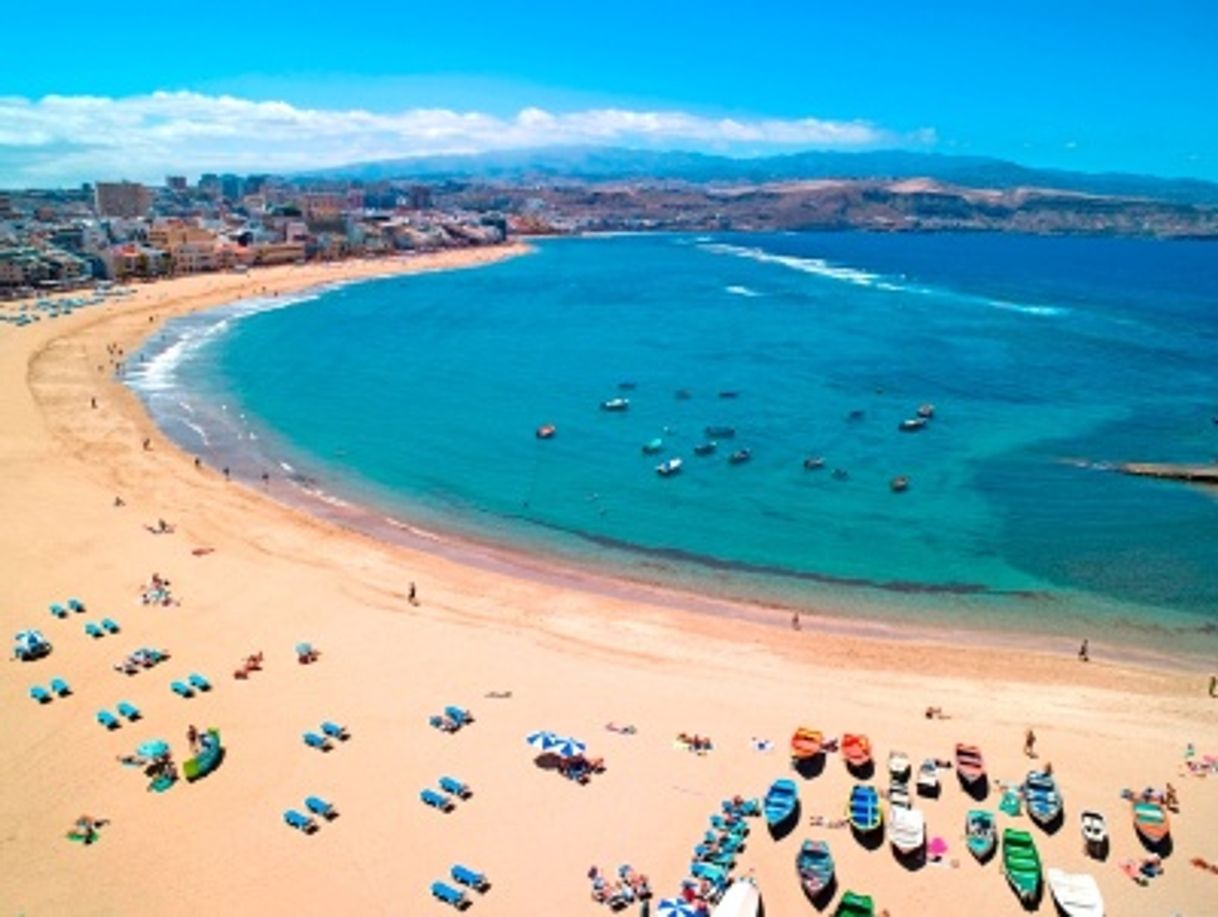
x=928, y=777
x=1077, y=894
x=898, y=765
x=672, y=466
x=616, y=404
x=906, y=829
x=1095, y=833
x=898, y=793
x=742, y=899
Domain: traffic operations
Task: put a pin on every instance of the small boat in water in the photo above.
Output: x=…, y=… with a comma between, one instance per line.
x=855, y=416
x=780, y=802
x=705, y=448
x=926, y=411
x=980, y=833
x=729, y=394
x=546, y=431
x=670, y=467
x=1021, y=864
x=1095, y=833
x=814, y=462
x=899, y=484
x=616, y=404
x=912, y=424
x=721, y=432
x=651, y=447
x=840, y=474
x=1042, y=798
x=739, y=456
x=627, y=386
x=814, y=866
x=683, y=394
x=1077, y=894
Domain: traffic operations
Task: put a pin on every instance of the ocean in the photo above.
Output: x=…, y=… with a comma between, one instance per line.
x=1047, y=360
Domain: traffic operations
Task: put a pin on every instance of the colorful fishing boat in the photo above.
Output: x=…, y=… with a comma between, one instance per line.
x=856, y=751
x=1151, y=821
x=780, y=802
x=970, y=765
x=1076, y=894
x=805, y=744
x=980, y=833
x=855, y=905
x=863, y=810
x=1021, y=864
x=814, y=865
x=1042, y=797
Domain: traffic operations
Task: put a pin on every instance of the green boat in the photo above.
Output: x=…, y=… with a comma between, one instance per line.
x=1021, y=863
x=855, y=905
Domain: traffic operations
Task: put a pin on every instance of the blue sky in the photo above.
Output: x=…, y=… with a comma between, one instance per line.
x=1094, y=86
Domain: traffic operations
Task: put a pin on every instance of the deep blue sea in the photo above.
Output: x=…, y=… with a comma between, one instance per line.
x=1046, y=359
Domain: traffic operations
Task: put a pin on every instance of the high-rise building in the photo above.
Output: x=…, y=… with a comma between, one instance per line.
x=231, y=187
x=209, y=184
x=175, y=182
x=121, y=199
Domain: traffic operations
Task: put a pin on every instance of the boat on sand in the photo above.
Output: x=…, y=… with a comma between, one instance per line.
x=1077, y=894
x=1151, y=821
x=814, y=865
x=970, y=765
x=742, y=899
x=980, y=833
x=906, y=829
x=1042, y=798
x=855, y=905
x=856, y=751
x=1021, y=864
x=863, y=810
x=780, y=802
x=1095, y=833
x=806, y=743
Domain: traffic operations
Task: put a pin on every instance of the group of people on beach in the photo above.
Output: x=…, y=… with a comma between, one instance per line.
x=695, y=743
x=156, y=591
x=251, y=663
x=631, y=886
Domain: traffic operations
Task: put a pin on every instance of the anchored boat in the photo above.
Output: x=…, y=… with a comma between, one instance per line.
x=670, y=467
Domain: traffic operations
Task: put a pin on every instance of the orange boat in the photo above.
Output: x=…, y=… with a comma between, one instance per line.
x=545, y=431
x=856, y=751
x=1151, y=821
x=806, y=743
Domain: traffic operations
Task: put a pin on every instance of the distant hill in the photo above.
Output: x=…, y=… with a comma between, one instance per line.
x=615, y=163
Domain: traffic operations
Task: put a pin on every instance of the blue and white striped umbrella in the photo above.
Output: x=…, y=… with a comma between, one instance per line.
x=543, y=740
x=568, y=747
x=675, y=907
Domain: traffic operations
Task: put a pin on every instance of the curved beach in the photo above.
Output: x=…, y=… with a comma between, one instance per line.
x=574, y=654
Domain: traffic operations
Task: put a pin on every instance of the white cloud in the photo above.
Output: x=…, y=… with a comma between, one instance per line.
x=67, y=139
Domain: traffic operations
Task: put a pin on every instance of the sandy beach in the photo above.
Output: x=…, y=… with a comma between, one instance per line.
x=253, y=574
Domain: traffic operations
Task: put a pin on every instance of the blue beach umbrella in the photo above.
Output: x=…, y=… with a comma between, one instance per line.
x=153, y=748
x=568, y=747
x=675, y=907
x=543, y=740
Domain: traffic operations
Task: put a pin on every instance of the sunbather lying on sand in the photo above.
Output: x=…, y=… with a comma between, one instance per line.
x=627, y=730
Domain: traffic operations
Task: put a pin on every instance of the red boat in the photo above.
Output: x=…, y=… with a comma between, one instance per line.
x=969, y=763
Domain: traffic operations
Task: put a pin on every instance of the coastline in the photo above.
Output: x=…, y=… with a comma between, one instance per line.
x=573, y=658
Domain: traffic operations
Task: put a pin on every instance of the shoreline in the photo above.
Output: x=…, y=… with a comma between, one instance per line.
x=253, y=575
x=848, y=608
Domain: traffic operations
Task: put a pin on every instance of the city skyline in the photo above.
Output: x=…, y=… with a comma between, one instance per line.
x=1123, y=89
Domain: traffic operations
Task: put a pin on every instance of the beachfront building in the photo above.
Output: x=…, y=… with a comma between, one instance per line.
x=278, y=252
x=191, y=248
x=135, y=261
x=122, y=199
x=27, y=266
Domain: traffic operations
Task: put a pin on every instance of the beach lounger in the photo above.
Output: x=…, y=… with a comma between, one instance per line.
x=181, y=689
x=40, y=694
x=58, y=610
x=731, y=826
x=129, y=710
x=76, y=605
x=319, y=806
x=436, y=800
x=199, y=681
x=449, y=895
x=313, y=740
x=456, y=787
x=470, y=878
x=300, y=821
x=60, y=687
x=335, y=731
x=110, y=625
x=94, y=630
x=458, y=715
x=108, y=719
x=444, y=724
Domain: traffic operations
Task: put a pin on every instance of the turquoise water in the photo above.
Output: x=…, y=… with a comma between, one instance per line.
x=1045, y=359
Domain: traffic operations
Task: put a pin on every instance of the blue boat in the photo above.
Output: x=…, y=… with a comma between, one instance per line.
x=814, y=864
x=1042, y=798
x=780, y=802
x=863, y=809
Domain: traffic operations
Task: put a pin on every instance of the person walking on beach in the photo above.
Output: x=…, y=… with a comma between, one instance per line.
x=795, y=620
x=413, y=593
x=1083, y=655
x=1029, y=743
x=1214, y=686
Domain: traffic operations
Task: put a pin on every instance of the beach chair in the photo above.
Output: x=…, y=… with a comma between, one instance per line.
x=313, y=740
x=129, y=710
x=110, y=625
x=305, y=653
x=199, y=681
x=300, y=821
x=470, y=878
x=76, y=605
x=94, y=630
x=319, y=806
x=436, y=800
x=58, y=610
x=181, y=689
x=60, y=687
x=731, y=826
x=444, y=724
x=335, y=731
x=458, y=715
x=456, y=787
x=40, y=694
x=108, y=719
x=449, y=895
